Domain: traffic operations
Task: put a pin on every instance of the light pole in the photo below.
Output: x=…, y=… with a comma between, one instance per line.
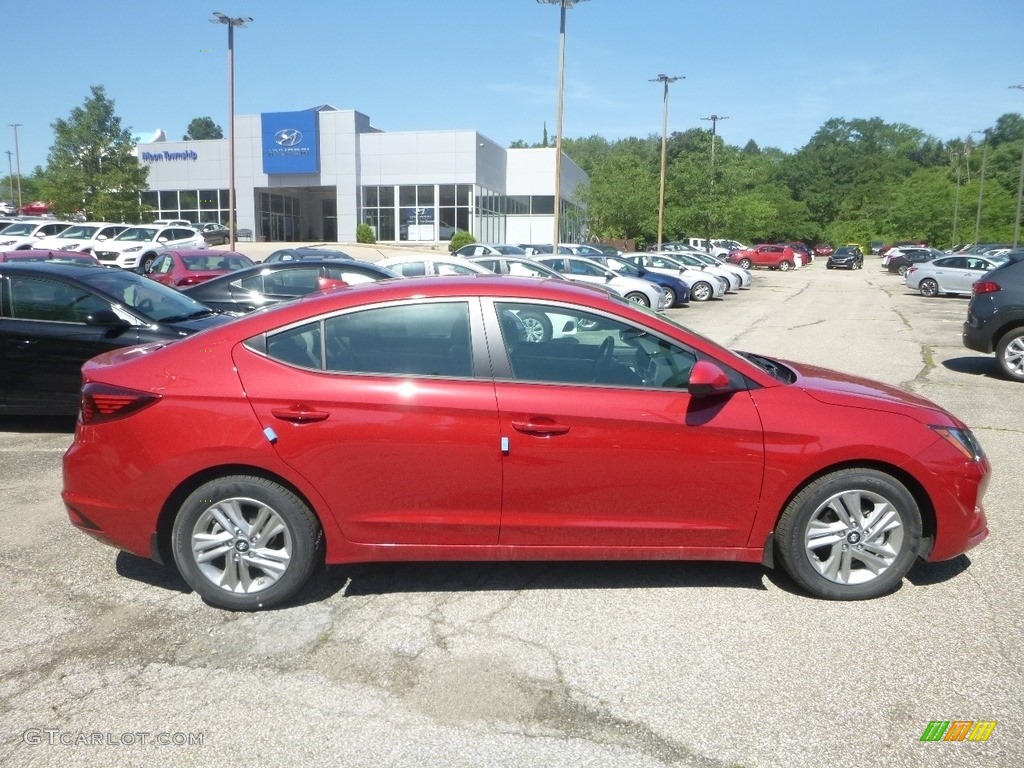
x=714, y=132
x=17, y=159
x=981, y=184
x=231, y=22
x=956, y=199
x=665, y=80
x=10, y=174
x=1020, y=191
x=563, y=5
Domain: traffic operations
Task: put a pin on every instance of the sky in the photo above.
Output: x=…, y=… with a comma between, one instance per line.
x=777, y=69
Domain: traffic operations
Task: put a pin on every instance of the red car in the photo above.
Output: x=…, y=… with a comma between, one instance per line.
x=410, y=420
x=779, y=257
x=180, y=269
x=67, y=257
x=38, y=208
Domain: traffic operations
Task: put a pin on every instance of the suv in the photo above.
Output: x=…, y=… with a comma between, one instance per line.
x=779, y=257
x=995, y=315
x=22, y=235
x=137, y=247
x=85, y=237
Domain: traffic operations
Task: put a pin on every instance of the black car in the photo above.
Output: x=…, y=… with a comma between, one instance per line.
x=55, y=316
x=306, y=253
x=907, y=257
x=264, y=285
x=847, y=257
x=214, y=234
x=995, y=315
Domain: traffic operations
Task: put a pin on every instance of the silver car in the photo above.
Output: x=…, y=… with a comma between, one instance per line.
x=949, y=274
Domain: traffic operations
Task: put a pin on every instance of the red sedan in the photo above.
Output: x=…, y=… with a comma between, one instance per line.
x=67, y=257
x=412, y=420
x=180, y=269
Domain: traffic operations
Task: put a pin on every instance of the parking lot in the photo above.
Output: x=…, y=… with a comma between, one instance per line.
x=107, y=659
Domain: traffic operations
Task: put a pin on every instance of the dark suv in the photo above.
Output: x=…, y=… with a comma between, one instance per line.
x=847, y=257
x=995, y=315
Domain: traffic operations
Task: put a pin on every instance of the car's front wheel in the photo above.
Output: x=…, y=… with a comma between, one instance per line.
x=638, y=298
x=1010, y=354
x=245, y=543
x=745, y=263
x=701, y=291
x=928, y=287
x=850, y=535
x=670, y=295
x=145, y=262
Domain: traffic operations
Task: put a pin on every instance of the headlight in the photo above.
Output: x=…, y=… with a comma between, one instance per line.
x=7, y=242
x=132, y=249
x=963, y=440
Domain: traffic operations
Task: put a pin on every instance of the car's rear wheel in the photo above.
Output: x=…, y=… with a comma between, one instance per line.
x=784, y=266
x=745, y=263
x=701, y=291
x=245, y=543
x=902, y=270
x=1010, y=354
x=536, y=327
x=638, y=298
x=850, y=535
x=928, y=287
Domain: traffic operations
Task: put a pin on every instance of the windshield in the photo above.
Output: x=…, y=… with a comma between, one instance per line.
x=152, y=300
x=78, y=233
x=138, y=234
x=624, y=268
x=509, y=250
x=19, y=229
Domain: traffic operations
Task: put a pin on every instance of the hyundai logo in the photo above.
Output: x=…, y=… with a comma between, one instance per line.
x=288, y=137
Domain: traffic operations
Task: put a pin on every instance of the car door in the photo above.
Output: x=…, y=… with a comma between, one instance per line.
x=390, y=413
x=604, y=446
x=948, y=272
x=44, y=340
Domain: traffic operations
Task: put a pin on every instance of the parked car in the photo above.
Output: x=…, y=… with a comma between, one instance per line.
x=473, y=250
x=586, y=270
x=745, y=278
x=180, y=269
x=694, y=260
x=805, y=251
x=35, y=208
x=85, y=237
x=407, y=420
x=995, y=316
x=63, y=257
x=950, y=274
x=22, y=235
x=722, y=248
x=704, y=286
x=7, y=209
x=136, y=247
x=306, y=253
x=264, y=285
x=823, y=249
x=845, y=258
x=780, y=257
x=534, y=249
x=419, y=264
x=676, y=289
x=214, y=233
x=899, y=260
x=55, y=316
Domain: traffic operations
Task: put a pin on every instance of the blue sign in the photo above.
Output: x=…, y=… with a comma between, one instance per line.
x=291, y=142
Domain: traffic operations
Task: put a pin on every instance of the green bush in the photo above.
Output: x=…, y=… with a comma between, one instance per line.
x=364, y=234
x=459, y=239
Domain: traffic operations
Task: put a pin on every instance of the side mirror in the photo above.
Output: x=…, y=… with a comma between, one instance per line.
x=707, y=379
x=106, y=318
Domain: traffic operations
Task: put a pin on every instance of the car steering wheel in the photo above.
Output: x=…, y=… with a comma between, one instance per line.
x=146, y=305
x=604, y=359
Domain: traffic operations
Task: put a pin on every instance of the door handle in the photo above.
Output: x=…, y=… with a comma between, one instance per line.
x=299, y=414
x=542, y=427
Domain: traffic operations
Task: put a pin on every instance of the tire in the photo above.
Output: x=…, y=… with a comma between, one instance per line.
x=671, y=294
x=145, y=261
x=902, y=270
x=235, y=574
x=785, y=266
x=701, y=291
x=1010, y=354
x=828, y=266
x=745, y=263
x=638, y=298
x=825, y=538
x=536, y=326
x=928, y=287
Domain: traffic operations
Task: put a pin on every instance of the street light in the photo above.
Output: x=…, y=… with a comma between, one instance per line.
x=231, y=22
x=1020, y=191
x=664, y=79
x=10, y=174
x=714, y=132
x=563, y=5
x=956, y=199
x=17, y=159
x=981, y=184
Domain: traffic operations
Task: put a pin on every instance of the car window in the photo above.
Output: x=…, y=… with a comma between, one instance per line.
x=349, y=275
x=428, y=339
x=34, y=298
x=164, y=264
x=283, y=282
x=522, y=270
x=577, y=267
x=448, y=268
x=598, y=351
x=298, y=346
x=662, y=263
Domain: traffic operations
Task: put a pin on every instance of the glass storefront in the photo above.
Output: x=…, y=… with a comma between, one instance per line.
x=279, y=217
x=196, y=205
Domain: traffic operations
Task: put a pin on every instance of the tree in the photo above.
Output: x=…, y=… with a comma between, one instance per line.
x=91, y=167
x=202, y=129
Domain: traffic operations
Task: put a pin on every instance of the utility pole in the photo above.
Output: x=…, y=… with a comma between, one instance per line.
x=1020, y=191
x=714, y=132
x=10, y=175
x=981, y=184
x=664, y=79
x=956, y=200
x=17, y=159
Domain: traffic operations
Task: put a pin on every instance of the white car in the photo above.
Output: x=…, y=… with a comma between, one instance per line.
x=137, y=247
x=85, y=237
x=474, y=250
x=587, y=271
x=703, y=285
x=722, y=248
x=950, y=274
x=694, y=261
x=713, y=261
x=23, y=235
x=419, y=264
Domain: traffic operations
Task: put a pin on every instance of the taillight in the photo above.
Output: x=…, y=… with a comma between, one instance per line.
x=105, y=402
x=985, y=286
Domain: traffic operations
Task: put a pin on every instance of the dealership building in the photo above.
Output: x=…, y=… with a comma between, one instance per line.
x=316, y=174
